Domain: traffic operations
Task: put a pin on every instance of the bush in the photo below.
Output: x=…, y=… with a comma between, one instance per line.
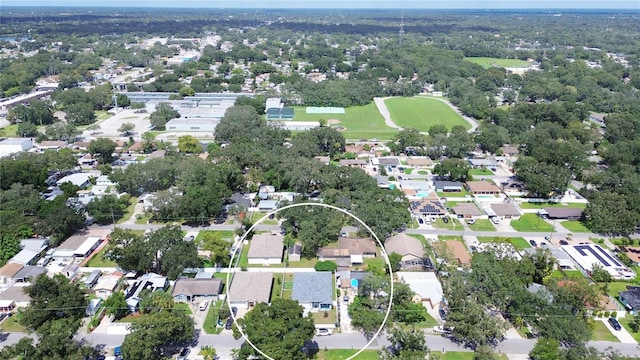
x=606, y=314
x=223, y=313
x=614, y=314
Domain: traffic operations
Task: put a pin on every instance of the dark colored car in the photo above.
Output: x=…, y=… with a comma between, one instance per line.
x=229, y=323
x=184, y=353
x=445, y=219
x=564, y=242
x=615, y=324
x=443, y=314
x=420, y=221
x=533, y=243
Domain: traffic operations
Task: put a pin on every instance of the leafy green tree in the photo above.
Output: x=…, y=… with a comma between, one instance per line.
x=154, y=335
x=611, y=213
x=326, y=266
x=180, y=256
x=116, y=305
x=396, y=261
x=27, y=129
x=61, y=131
x=279, y=330
x=80, y=114
x=484, y=352
x=542, y=179
x=126, y=128
x=108, y=209
x=156, y=301
x=104, y=148
x=452, y=169
x=319, y=141
x=406, y=345
x=189, y=145
x=546, y=349
x=600, y=275
x=123, y=100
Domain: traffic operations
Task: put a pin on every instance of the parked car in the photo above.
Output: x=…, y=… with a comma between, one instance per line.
x=445, y=219
x=495, y=220
x=184, y=353
x=229, y=323
x=564, y=242
x=533, y=243
x=420, y=221
x=441, y=329
x=323, y=332
x=615, y=324
x=443, y=314
x=471, y=221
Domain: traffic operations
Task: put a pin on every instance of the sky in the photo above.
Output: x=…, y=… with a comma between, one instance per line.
x=342, y=4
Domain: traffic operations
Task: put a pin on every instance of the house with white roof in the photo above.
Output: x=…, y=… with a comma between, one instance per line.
x=81, y=180
x=426, y=286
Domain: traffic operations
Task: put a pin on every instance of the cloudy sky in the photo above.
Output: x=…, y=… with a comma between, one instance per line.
x=336, y=4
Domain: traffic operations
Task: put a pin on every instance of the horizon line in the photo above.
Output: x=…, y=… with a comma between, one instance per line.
x=316, y=7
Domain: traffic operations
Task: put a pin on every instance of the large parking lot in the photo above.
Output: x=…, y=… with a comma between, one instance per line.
x=110, y=126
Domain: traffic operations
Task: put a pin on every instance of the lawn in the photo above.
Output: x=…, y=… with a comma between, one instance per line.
x=518, y=242
x=422, y=113
x=487, y=62
x=450, y=237
x=216, y=235
x=482, y=225
x=11, y=324
x=244, y=257
x=144, y=218
x=574, y=226
x=341, y=354
x=452, y=194
x=319, y=317
x=9, y=131
x=568, y=274
x=256, y=216
x=615, y=287
x=531, y=222
x=183, y=307
x=361, y=122
x=129, y=210
x=625, y=323
x=462, y=355
x=601, y=332
x=480, y=172
x=102, y=115
x=542, y=205
x=211, y=321
x=428, y=323
x=98, y=260
x=451, y=225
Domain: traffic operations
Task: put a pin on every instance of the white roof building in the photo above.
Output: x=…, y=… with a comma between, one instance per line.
x=14, y=145
x=426, y=286
x=588, y=255
x=80, y=180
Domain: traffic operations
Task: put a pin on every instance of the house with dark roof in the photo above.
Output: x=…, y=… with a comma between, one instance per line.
x=466, y=210
x=631, y=299
x=313, y=290
x=561, y=213
x=16, y=294
x=506, y=211
x=427, y=207
x=28, y=273
x=389, y=162
x=353, y=163
x=448, y=186
x=294, y=252
x=188, y=290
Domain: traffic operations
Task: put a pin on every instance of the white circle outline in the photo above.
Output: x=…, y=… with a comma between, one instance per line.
x=382, y=251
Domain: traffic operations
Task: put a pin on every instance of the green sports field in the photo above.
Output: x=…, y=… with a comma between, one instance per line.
x=422, y=113
x=487, y=62
x=362, y=122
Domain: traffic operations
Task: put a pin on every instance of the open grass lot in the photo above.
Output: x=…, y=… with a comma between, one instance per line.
x=487, y=62
x=428, y=323
x=9, y=131
x=518, y=242
x=602, y=333
x=451, y=225
x=362, y=122
x=568, y=274
x=422, y=113
x=462, y=355
x=341, y=354
x=452, y=194
x=216, y=234
x=98, y=260
x=531, y=222
x=480, y=172
x=574, y=226
x=532, y=205
x=12, y=324
x=129, y=210
x=482, y=225
x=625, y=324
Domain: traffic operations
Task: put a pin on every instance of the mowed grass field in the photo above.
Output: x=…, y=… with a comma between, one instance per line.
x=422, y=113
x=362, y=122
x=487, y=62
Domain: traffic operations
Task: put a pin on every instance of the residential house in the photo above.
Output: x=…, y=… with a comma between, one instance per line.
x=510, y=151
x=359, y=163
x=561, y=213
x=482, y=188
x=16, y=294
x=104, y=180
x=506, y=211
x=323, y=159
x=266, y=249
x=387, y=162
x=25, y=257
x=483, y=164
x=420, y=186
x=189, y=290
x=448, y=186
x=409, y=248
x=92, y=279
x=425, y=285
x=87, y=161
x=419, y=162
x=71, y=271
x=80, y=180
x=150, y=281
x=8, y=271
x=630, y=298
x=158, y=154
x=364, y=247
x=93, y=307
x=250, y=288
x=427, y=207
x=107, y=285
x=466, y=210
x=7, y=306
x=77, y=246
x=35, y=244
x=28, y=273
x=313, y=290
x=52, y=145
x=268, y=205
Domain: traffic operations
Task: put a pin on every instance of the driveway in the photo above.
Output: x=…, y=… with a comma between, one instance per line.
x=622, y=334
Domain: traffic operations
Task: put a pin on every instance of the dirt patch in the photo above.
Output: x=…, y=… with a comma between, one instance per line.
x=333, y=122
x=339, y=128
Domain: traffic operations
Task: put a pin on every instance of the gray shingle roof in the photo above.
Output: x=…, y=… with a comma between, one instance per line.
x=313, y=287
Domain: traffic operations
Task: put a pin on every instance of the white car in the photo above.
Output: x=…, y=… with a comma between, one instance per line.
x=323, y=332
x=441, y=329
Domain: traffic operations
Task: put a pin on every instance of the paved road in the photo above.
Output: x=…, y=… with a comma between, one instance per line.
x=341, y=341
x=384, y=111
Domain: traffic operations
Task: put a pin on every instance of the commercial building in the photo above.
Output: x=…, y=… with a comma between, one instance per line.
x=14, y=146
x=588, y=255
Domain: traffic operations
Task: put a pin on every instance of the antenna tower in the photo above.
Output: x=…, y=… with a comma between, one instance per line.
x=401, y=32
